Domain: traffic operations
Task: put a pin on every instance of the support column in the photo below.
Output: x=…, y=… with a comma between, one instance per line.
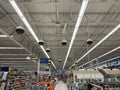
x=38, y=69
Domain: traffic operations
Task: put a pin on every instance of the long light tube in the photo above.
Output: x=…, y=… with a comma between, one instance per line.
x=15, y=54
x=101, y=55
x=102, y=40
x=20, y=14
x=107, y=60
x=109, y=52
x=48, y=56
x=11, y=48
x=80, y=16
x=108, y=35
x=53, y=64
x=3, y=36
x=44, y=51
x=16, y=58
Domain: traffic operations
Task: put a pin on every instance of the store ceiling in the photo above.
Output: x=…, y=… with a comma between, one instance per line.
x=47, y=18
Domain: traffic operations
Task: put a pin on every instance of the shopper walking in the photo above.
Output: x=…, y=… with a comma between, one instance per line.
x=73, y=85
x=60, y=84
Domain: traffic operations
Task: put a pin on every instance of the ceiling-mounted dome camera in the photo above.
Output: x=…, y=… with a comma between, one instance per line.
x=59, y=60
x=49, y=61
x=64, y=42
x=47, y=49
x=28, y=58
x=20, y=30
x=89, y=41
x=41, y=42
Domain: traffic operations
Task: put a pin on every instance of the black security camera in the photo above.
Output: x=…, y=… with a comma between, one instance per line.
x=59, y=60
x=41, y=42
x=64, y=42
x=89, y=41
x=47, y=49
x=20, y=30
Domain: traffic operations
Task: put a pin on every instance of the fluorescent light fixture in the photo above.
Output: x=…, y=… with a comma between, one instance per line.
x=109, y=60
x=109, y=52
x=3, y=36
x=102, y=40
x=105, y=61
x=12, y=58
x=22, y=17
x=11, y=48
x=53, y=64
x=102, y=55
x=71, y=66
x=80, y=16
x=44, y=51
x=20, y=14
x=15, y=61
x=15, y=54
x=17, y=58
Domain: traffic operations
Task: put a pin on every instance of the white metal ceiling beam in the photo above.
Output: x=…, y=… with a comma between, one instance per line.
x=80, y=16
x=22, y=17
x=11, y=48
x=16, y=58
x=26, y=61
x=3, y=36
x=15, y=54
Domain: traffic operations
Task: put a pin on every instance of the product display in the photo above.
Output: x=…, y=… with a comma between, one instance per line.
x=17, y=81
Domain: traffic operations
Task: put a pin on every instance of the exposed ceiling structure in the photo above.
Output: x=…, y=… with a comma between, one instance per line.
x=47, y=18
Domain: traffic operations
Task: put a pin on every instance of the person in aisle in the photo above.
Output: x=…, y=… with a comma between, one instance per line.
x=90, y=86
x=60, y=84
x=73, y=86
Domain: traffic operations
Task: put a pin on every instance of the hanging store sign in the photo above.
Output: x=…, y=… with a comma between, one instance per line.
x=44, y=60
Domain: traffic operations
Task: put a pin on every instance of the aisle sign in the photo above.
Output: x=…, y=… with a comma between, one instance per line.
x=5, y=69
x=44, y=60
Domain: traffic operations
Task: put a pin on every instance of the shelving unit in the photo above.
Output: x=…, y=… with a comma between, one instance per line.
x=18, y=81
x=3, y=80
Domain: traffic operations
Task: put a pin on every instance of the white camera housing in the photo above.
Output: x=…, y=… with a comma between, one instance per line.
x=20, y=30
x=47, y=49
x=41, y=42
x=89, y=41
x=64, y=42
x=28, y=58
